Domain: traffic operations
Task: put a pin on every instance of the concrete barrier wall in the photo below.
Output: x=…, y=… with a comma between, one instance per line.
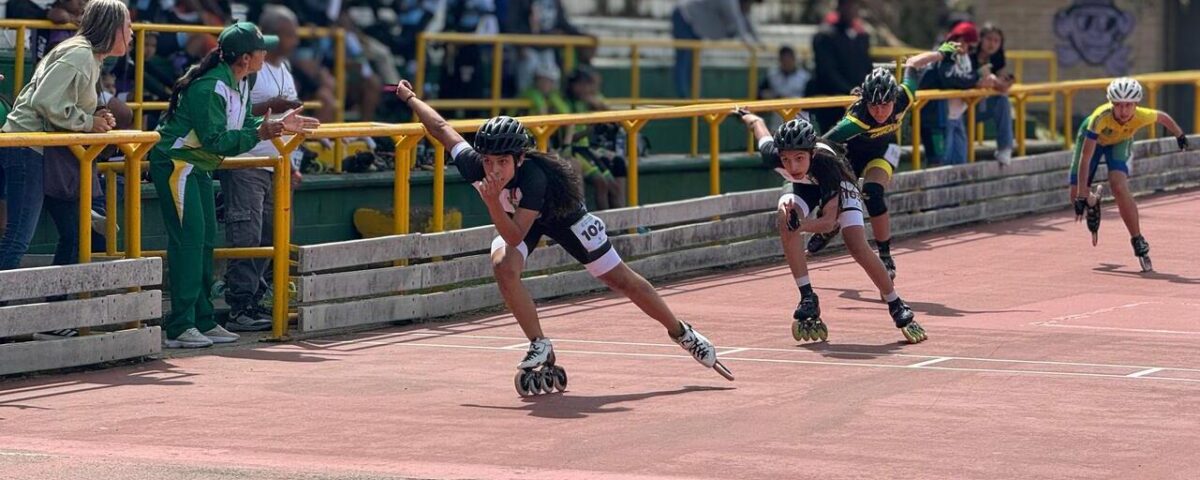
x=353, y=283
x=109, y=293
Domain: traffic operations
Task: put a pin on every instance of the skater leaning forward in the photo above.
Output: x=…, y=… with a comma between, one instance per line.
x=1108, y=133
x=528, y=195
x=868, y=130
x=821, y=195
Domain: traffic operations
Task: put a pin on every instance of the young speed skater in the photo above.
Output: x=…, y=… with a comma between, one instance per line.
x=823, y=185
x=868, y=130
x=1108, y=133
x=529, y=194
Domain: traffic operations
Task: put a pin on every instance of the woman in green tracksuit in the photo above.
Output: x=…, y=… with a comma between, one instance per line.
x=208, y=119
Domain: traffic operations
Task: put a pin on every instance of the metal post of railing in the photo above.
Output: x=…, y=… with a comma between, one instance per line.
x=1152, y=103
x=1021, y=100
x=339, y=72
x=635, y=74
x=1196, y=107
x=19, y=63
x=139, y=81
x=85, y=157
x=497, y=65
x=110, y=213
x=282, y=241
x=714, y=152
x=1053, y=102
x=406, y=146
x=422, y=45
x=1069, y=116
x=971, y=127
x=632, y=127
x=439, y=186
x=695, y=150
x=916, y=134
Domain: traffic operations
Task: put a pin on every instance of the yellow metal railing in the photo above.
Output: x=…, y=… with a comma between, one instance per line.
x=136, y=145
x=407, y=136
x=569, y=43
x=138, y=103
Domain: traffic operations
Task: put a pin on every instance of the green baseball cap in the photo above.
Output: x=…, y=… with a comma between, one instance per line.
x=244, y=37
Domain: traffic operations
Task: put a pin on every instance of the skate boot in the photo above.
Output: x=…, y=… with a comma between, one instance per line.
x=806, y=323
x=1141, y=249
x=537, y=373
x=818, y=241
x=1093, y=213
x=701, y=349
x=905, y=321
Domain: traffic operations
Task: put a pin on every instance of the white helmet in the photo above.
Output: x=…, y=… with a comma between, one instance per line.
x=1125, y=89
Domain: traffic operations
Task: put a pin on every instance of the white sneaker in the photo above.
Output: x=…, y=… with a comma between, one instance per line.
x=190, y=338
x=219, y=334
x=540, y=351
x=98, y=223
x=697, y=345
x=1004, y=156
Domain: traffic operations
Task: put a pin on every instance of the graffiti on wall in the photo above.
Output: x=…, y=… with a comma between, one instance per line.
x=1094, y=32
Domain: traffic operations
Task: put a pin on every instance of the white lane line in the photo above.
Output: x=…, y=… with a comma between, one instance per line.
x=930, y=362
x=1144, y=372
x=823, y=352
x=1118, y=329
x=515, y=346
x=731, y=351
x=828, y=363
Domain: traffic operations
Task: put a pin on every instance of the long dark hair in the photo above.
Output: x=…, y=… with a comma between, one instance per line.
x=210, y=61
x=990, y=28
x=564, y=189
x=830, y=169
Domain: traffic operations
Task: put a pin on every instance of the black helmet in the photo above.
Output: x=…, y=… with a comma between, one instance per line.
x=879, y=87
x=501, y=135
x=796, y=134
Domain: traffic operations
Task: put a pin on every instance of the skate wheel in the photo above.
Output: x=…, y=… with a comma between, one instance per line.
x=721, y=369
x=559, y=376
x=526, y=383
x=546, y=380
x=1146, y=265
x=797, y=331
x=823, y=331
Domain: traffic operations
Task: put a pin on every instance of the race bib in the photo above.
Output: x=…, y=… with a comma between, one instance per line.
x=892, y=155
x=590, y=232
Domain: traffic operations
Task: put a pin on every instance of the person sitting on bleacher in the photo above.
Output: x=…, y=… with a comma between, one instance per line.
x=606, y=168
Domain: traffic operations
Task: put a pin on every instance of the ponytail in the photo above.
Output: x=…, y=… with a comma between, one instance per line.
x=563, y=187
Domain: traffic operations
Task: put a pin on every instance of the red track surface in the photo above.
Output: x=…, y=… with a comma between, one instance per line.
x=1047, y=358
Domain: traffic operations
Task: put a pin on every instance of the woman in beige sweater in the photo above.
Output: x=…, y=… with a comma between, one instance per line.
x=61, y=97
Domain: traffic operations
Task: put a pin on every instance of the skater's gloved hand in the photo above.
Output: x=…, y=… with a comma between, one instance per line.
x=1182, y=141
x=948, y=48
x=789, y=218
x=1080, y=207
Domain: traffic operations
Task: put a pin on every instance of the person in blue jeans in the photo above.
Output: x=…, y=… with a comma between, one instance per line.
x=988, y=59
x=61, y=96
x=708, y=20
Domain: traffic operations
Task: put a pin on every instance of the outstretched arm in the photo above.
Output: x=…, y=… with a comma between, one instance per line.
x=433, y=121
x=1165, y=120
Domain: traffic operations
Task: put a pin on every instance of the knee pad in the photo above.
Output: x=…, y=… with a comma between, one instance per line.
x=873, y=194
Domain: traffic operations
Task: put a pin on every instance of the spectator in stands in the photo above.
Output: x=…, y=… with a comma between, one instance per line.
x=787, y=80
x=601, y=168
x=61, y=96
x=708, y=20
x=842, y=58
x=536, y=17
x=988, y=59
x=955, y=72
x=544, y=96
x=208, y=118
x=249, y=203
